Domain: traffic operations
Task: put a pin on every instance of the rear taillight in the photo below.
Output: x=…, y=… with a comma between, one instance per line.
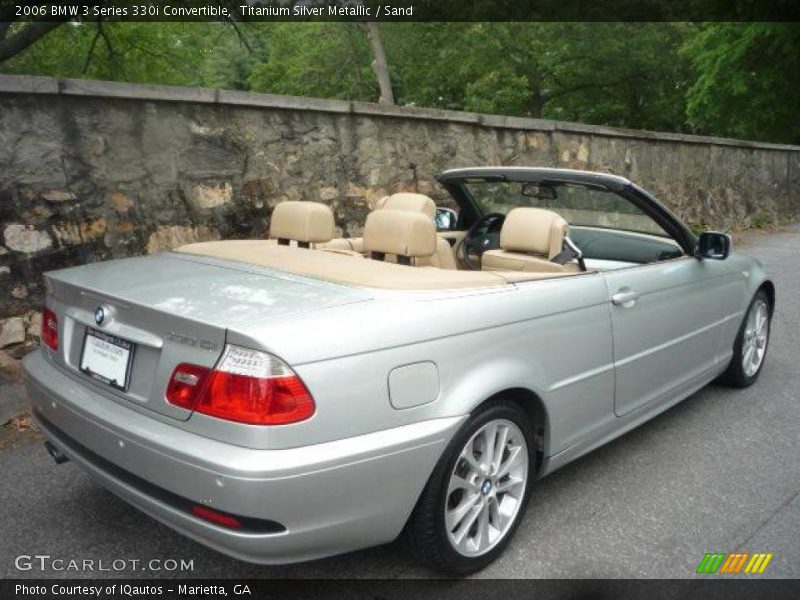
x=186, y=384
x=247, y=386
x=49, y=331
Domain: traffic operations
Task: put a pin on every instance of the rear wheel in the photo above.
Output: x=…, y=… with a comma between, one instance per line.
x=477, y=494
x=750, y=348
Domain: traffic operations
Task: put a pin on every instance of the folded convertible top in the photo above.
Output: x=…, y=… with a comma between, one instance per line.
x=354, y=270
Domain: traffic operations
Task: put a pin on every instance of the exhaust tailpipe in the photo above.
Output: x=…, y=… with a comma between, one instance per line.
x=56, y=453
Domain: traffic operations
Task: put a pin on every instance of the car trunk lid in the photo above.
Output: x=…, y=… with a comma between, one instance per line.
x=173, y=310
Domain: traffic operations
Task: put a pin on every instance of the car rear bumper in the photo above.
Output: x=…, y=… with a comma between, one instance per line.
x=323, y=499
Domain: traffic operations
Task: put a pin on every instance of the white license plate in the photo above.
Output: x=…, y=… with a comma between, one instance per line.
x=107, y=358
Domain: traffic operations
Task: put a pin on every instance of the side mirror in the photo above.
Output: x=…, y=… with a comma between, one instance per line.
x=446, y=219
x=713, y=245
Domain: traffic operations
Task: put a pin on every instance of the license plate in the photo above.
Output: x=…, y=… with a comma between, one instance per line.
x=107, y=358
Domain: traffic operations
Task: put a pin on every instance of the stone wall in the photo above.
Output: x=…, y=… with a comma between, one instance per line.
x=96, y=170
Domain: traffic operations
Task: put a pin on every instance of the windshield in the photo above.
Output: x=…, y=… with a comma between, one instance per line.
x=580, y=205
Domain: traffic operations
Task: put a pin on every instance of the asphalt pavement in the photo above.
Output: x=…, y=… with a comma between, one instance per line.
x=717, y=473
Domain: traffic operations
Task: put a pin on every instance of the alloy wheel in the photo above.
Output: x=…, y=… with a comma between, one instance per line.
x=486, y=488
x=756, y=332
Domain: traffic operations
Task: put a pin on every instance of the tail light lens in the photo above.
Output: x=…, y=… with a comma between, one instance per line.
x=49, y=331
x=247, y=386
x=185, y=385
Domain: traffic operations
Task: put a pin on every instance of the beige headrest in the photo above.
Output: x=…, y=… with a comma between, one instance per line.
x=533, y=230
x=399, y=232
x=407, y=201
x=302, y=222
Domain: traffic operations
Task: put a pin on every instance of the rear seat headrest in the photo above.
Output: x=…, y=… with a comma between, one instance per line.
x=399, y=232
x=304, y=222
x=407, y=201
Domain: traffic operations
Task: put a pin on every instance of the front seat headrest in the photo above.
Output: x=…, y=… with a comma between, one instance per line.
x=408, y=201
x=404, y=233
x=533, y=230
x=303, y=222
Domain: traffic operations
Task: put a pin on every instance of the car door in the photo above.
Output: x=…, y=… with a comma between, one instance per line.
x=667, y=319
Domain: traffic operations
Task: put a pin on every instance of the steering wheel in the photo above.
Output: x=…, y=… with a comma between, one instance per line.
x=482, y=236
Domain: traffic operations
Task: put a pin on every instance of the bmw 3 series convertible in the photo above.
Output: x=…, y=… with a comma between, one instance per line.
x=300, y=396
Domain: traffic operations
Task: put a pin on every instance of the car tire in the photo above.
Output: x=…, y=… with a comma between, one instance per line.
x=500, y=504
x=751, y=341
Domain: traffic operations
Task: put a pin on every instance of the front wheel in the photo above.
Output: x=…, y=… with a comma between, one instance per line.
x=750, y=348
x=477, y=494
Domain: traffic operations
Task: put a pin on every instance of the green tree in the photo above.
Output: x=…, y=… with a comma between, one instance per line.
x=329, y=60
x=623, y=74
x=17, y=36
x=169, y=53
x=734, y=79
x=229, y=61
x=626, y=74
x=747, y=80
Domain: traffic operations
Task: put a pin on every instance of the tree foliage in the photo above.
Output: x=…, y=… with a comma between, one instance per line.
x=168, y=53
x=733, y=79
x=747, y=80
x=330, y=60
x=610, y=73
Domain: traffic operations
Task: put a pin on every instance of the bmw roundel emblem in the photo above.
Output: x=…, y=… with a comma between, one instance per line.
x=99, y=315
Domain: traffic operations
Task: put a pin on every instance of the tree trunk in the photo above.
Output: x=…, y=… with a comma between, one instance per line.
x=25, y=37
x=379, y=63
x=536, y=105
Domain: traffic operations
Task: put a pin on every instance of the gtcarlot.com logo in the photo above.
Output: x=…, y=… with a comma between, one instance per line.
x=45, y=562
x=734, y=563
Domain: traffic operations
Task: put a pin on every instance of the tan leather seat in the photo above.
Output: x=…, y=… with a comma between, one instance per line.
x=408, y=201
x=529, y=239
x=303, y=222
x=408, y=236
x=343, y=245
x=443, y=258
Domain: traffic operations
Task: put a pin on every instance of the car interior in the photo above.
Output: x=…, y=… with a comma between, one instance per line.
x=524, y=243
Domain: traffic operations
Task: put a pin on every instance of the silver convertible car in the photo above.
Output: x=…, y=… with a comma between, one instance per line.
x=296, y=397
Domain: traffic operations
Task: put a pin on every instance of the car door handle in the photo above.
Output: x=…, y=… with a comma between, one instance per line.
x=625, y=298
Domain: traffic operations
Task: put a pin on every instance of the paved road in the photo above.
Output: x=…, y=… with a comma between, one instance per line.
x=719, y=472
